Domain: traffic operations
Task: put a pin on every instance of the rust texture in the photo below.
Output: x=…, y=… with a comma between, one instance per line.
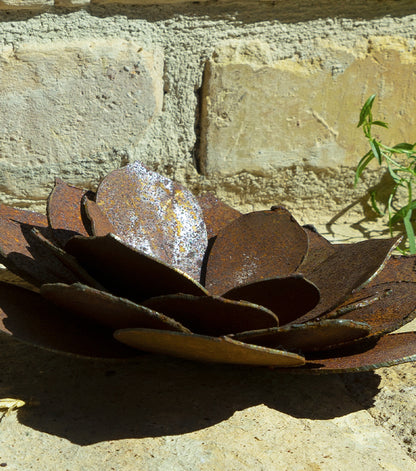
x=145, y=263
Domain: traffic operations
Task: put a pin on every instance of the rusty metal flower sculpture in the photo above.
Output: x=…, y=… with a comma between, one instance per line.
x=144, y=265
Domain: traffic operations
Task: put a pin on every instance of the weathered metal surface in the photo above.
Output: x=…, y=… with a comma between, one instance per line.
x=256, y=246
x=216, y=213
x=288, y=297
x=106, y=309
x=64, y=211
x=30, y=318
x=209, y=315
x=128, y=273
x=70, y=262
x=348, y=269
x=23, y=254
x=391, y=306
x=100, y=224
x=155, y=215
x=204, y=348
x=319, y=249
x=392, y=349
x=397, y=268
x=308, y=337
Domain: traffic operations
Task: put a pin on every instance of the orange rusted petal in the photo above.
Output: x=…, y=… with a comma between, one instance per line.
x=385, y=307
x=64, y=211
x=288, y=297
x=100, y=224
x=128, y=273
x=216, y=213
x=209, y=315
x=389, y=350
x=258, y=245
x=26, y=316
x=308, y=337
x=106, y=309
x=155, y=215
x=348, y=269
x=23, y=254
x=206, y=349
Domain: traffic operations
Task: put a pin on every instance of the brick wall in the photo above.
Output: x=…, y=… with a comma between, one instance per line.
x=257, y=101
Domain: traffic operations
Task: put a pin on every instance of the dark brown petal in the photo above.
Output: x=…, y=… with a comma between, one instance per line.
x=397, y=268
x=216, y=213
x=308, y=337
x=64, y=211
x=207, y=349
x=100, y=225
x=289, y=297
x=128, y=273
x=319, y=249
x=255, y=246
x=212, y=315
x=26, y=316
x=70, y=262
x=348, y=269
x=23, y=254
x=389, y=350
x=385, y=307
x=106, y=309
x=156, y=216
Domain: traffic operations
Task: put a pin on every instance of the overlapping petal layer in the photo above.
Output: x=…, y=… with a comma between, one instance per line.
x=134, y=261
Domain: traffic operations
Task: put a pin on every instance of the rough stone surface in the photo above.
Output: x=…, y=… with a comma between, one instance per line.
x=25, y=4
x=154, y=413
x=69, y=102
x=260, y=115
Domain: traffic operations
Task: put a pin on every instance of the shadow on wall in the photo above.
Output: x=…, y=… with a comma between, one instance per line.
x=91, y=401
x=301, y=10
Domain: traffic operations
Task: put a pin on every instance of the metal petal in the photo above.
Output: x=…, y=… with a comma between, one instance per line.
x=216, y=213
x=308, y=337
x=156, y=216
x=385, y=307
x=207, y=349
x=255, y=246
x=128, y=273
x=209, y=315
x=319, y=249
x=26, y=316
x=100, y=225
x=70, y=262
x=64, y=211
x=389, y=350
x=106, y=309
x=23, y=254
x=397, y=268
x=348, y=269
x=289, y=297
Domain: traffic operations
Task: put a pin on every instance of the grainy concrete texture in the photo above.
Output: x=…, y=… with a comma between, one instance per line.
x=256, y=101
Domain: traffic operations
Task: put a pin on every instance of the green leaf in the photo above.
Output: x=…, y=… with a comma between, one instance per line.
x=410, y=232
x=374, y=204
x=376, y=150
x=366, y=110
x=401, y=213
x=362, y=164
x=404, y=146
x=380, y=123
x=394, y=175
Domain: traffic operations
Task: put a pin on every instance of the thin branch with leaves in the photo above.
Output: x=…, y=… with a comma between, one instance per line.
x=403, y=173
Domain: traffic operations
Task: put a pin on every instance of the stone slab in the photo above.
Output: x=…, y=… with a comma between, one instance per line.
x=71, y=107
x=259, y=114
x=25, y=4
x=161, y=414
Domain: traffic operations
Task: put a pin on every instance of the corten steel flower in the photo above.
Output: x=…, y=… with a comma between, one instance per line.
x=142, y=263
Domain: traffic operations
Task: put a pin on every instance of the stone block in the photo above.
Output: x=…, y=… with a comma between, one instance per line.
x=25, y=4
x=260, y=114
x=72, y=108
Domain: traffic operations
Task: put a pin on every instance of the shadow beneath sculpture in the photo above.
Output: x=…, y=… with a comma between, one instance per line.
x=89, y=401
